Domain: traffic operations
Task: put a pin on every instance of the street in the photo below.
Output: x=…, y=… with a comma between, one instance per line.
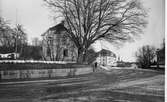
x=116, y=85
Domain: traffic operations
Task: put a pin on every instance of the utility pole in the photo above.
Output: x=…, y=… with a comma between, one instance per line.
x=16, y=34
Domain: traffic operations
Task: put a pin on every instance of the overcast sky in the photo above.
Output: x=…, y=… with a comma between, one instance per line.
x=36, y=19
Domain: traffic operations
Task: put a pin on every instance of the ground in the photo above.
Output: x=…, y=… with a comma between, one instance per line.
x=116, y=85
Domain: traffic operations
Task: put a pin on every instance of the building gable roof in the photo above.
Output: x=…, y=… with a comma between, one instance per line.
x=105, y=52
x=57, y=29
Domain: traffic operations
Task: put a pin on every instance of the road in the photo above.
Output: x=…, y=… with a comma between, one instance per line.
x=116, y=85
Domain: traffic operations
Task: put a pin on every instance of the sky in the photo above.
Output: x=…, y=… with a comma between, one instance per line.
x=36, y=18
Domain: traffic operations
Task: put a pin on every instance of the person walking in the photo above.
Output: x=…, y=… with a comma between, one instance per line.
x=95, y=67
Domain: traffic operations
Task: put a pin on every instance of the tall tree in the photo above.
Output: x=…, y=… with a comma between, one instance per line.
x=89, y=20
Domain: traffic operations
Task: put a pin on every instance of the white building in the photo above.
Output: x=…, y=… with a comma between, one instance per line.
x=106, y=58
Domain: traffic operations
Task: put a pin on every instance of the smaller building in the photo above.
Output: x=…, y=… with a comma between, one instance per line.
x=106, y=58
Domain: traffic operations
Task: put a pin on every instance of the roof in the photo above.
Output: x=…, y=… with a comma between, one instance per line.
x=57, y=28
x=105, y=52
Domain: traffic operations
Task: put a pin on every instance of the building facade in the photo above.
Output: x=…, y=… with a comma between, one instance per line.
x=106, y=58
x=56, y=46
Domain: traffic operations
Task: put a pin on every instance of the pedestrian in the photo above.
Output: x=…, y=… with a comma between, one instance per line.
x=95, y=66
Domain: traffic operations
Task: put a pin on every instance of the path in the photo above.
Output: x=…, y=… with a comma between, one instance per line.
x=117, y=85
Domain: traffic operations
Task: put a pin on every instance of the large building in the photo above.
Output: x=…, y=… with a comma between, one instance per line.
x=56, y=46
x=106, y=58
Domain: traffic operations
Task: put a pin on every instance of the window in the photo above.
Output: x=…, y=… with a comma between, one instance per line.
x=65, y=52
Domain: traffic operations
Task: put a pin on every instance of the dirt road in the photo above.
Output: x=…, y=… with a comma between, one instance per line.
x=117, y=85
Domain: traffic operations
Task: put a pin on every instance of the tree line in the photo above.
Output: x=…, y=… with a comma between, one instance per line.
x=148, y=55
x=11, y=39
x=14, y=40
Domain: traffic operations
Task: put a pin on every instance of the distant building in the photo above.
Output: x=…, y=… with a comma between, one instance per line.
x=57, y=46
x=8, y=56
x=106, y=58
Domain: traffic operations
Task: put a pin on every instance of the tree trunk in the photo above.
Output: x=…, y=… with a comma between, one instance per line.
x=82, y=56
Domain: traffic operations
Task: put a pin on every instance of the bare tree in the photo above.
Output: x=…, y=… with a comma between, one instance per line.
x=89, y=20
x=54, y=42
x=6, y=37
x=5, y=34
x=145, y=56
x=48, y=42
x=11, y=39
x=20, y=38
